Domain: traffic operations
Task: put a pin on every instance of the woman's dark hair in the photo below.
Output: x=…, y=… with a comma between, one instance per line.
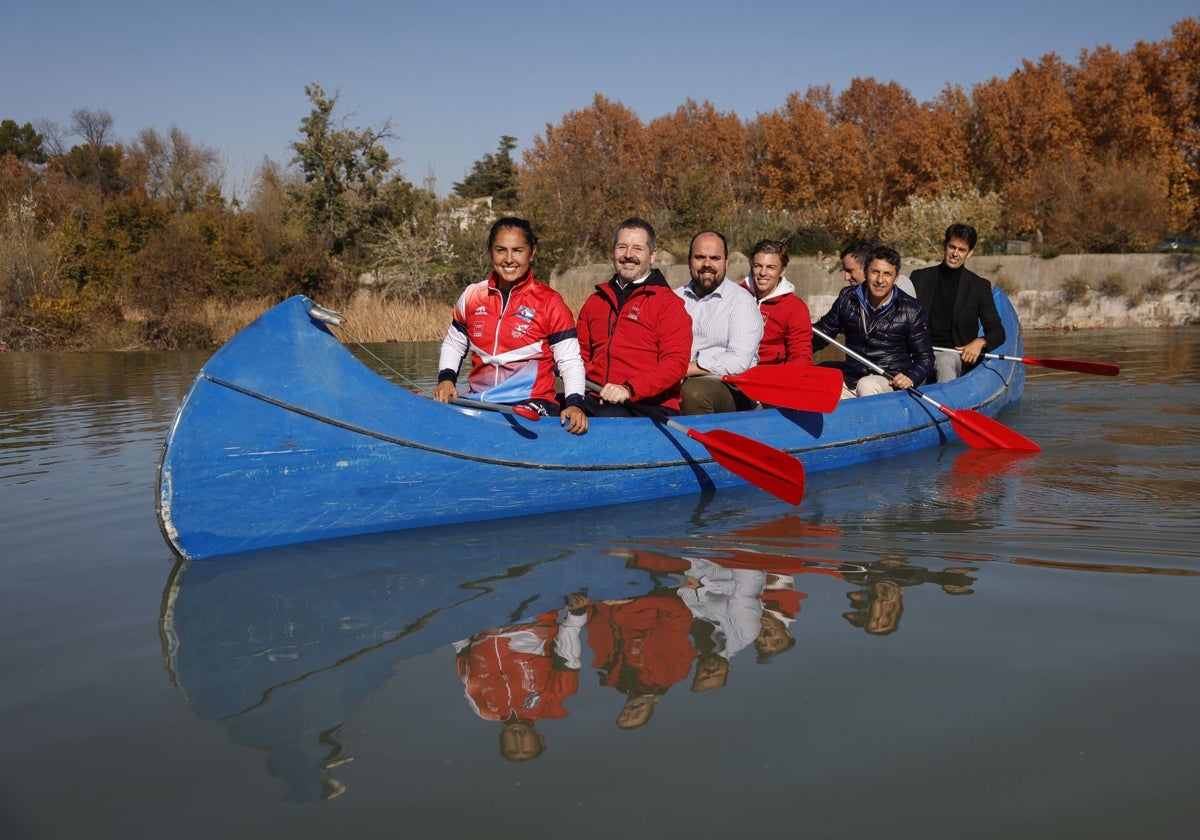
x=516, y=223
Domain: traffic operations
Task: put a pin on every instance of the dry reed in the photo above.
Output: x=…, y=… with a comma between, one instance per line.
x=369, y=318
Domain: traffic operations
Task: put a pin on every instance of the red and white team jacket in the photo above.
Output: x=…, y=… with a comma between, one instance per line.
x=515, y=345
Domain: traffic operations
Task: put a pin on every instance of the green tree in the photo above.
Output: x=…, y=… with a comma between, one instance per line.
x=494, y=176
x=344, y=172
x=22, y=141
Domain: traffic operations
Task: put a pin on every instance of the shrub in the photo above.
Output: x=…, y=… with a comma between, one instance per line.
x=1074, y=289
x=1156, y=286
x=1111, y=286
x=811, y=241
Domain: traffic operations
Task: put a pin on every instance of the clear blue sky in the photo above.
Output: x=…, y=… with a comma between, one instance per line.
x=455, y=76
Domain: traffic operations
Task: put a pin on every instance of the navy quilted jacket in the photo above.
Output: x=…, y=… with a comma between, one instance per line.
x=896, y=339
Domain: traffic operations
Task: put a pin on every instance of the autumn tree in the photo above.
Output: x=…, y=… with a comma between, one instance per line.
x=583, y=176
x=171, y=167
x=1113, y=206
x=28, y=259
x=494, y=176
x=702, y=173
x=1170, y=72
x=902, y=148
x=807, y=162
x=1021, y=129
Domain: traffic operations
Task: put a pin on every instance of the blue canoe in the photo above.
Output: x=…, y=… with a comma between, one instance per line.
x=285, y=437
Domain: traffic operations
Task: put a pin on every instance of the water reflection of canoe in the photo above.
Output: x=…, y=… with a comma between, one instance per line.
x=285, y=438
x=284, y=647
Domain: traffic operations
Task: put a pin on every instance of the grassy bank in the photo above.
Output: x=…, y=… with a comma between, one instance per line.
x=369, y=318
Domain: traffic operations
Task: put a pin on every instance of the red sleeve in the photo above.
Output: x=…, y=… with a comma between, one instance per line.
x=800, y=334
x=583, y=328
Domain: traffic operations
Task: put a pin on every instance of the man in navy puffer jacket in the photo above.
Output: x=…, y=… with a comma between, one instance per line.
x=882, y=323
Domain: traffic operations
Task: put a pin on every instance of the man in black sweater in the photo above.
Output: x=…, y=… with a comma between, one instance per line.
x=960, y=306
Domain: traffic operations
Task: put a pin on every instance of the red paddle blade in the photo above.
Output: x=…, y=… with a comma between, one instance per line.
x=1098, y=368
x=526, y=412
x=980, y=431
x=799, y=387
x=764, y=466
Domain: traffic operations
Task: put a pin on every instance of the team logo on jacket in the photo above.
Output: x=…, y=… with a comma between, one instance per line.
x=525, y=313
x=481, y=309
x=520, y=330
x=477, y=329
x=634, y=311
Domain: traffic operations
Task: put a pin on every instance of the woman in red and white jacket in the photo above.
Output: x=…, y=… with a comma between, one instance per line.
x=519, y=331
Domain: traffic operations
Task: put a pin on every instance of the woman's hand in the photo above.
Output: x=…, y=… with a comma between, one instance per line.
x=574, y=419
x=445, y=391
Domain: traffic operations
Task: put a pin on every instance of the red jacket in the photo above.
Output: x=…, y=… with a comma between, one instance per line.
x=643, y=645
x=645, y=346
x=503, y=680
x=787, y=327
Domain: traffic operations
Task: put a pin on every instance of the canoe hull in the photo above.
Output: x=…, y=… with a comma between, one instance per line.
x=285, y=437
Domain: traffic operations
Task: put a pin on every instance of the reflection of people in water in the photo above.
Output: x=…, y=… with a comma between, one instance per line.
x=641, y=646
x=732, y=606
x=877, y=607
x=879, y=603
x=781, y=603
x=523, y=672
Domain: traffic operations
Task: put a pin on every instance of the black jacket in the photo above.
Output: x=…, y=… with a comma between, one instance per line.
x=896, y=339
x=973, y=306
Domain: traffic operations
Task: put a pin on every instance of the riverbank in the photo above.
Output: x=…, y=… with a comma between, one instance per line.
x=1069, y=292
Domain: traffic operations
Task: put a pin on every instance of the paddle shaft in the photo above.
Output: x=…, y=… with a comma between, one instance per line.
x=518, y=410
x=973, y=428
x=1098, y=368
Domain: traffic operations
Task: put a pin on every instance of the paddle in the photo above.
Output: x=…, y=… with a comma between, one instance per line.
x=519, y=410
x=766, y=467
x=1098, y=368
x=800, y=387
x=975, y=429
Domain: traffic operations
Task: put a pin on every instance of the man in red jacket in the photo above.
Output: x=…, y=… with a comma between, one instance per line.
x=635, y=335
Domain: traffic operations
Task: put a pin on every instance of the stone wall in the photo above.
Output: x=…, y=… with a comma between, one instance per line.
x=1074, y=291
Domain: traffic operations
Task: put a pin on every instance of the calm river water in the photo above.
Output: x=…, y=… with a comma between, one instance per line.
x=945, y=645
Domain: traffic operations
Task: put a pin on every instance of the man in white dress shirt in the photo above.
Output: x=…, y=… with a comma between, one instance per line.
x=726, y=328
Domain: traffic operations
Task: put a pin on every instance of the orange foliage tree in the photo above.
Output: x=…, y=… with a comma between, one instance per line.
x=583, y=176
x=902, y=147
x=702, y=174
x=808, y=163
x=1170, y=72
x=1021, y=128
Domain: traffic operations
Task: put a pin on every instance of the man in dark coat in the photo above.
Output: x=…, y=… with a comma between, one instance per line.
x=960, y=306
x=883, y=324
